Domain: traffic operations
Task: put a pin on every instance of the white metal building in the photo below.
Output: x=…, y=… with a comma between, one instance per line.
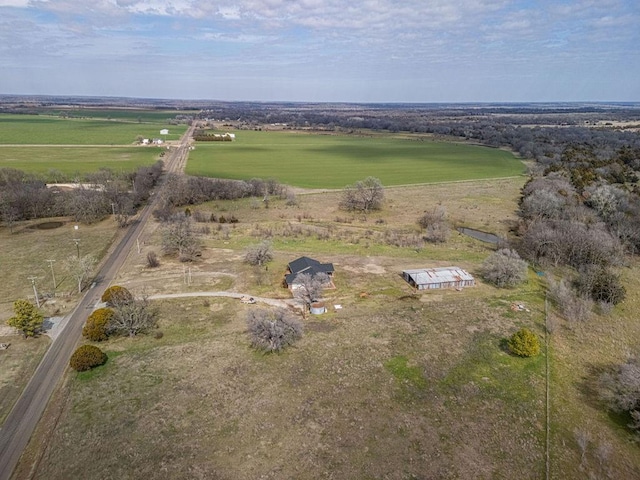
x=432, y=278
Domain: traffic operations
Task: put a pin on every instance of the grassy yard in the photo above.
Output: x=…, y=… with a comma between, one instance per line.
x=332, y=161
x=394, y=385
x=47, y=130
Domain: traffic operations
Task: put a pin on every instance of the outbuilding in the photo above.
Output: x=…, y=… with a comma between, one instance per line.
x=434, y=278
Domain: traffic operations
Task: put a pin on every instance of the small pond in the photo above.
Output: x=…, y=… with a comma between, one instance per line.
x=480, y=235
x=48, y=225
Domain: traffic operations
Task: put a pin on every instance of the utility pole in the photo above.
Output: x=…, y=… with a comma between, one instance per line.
x=77, y=242
x=113, y=208
x=51, y=262
x=35, y=291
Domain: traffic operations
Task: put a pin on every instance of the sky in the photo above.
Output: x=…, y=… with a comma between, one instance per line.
x=409, y=51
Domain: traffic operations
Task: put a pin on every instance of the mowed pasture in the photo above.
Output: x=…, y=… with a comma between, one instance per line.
x=48, y=130
x=333, y=161
x=60, y=163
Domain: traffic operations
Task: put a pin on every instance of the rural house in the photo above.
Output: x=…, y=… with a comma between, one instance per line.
x=432, y=278
x=307, y=265
x=164, y=131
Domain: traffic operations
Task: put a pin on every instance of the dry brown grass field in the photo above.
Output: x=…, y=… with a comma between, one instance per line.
x=395, y=385
x=24, y=254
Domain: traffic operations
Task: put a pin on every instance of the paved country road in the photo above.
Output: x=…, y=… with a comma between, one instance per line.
x=23, y=418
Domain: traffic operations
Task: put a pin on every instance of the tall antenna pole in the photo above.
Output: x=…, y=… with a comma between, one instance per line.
x=77, y=242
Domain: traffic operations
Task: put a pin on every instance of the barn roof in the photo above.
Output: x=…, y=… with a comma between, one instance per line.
x=426, y=276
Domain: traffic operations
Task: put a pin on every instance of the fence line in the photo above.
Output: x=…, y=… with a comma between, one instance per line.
x=548, y=423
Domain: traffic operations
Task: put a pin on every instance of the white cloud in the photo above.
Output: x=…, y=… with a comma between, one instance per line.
x=14, y=3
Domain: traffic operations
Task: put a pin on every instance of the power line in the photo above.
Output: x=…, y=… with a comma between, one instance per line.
x=51, y=262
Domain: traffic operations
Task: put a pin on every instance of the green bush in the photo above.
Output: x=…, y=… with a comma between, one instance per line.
x=524, y=343
x=95, y=329
x=116, y=294
x=86, y=357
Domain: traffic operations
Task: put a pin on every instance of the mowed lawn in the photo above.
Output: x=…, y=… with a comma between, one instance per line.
x=333, y=161
x=69, y=161
x=46, y=130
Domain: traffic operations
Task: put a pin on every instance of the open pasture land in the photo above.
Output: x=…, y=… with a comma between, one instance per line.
x=396, y=385
x=69, y=161
x=45, y=130
x=26, y=253
x=333, y=161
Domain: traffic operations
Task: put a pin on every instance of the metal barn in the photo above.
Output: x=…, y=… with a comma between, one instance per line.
x=433, y=278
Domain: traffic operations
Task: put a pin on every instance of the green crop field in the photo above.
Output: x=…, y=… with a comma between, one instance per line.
x=333, y=161
x=45, y=130
x=75, y=160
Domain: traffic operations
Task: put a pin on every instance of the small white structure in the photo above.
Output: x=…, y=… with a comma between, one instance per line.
x=433, y=278
x=317, y=308
x=145, y=141
x=164, y=131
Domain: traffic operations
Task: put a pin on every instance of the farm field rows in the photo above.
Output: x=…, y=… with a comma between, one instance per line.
x=333, y=161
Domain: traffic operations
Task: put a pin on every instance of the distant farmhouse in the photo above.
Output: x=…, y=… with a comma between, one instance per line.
x=310, y=266
x=433, y=278
x=164, y=131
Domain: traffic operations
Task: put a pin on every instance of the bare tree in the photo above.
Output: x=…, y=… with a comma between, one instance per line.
x=601, y=284
x=80, y=268
x=152, y=260
x=435, y=225
x=124, y=210
x=620, y=390
x=309, y=288
x=365, y=195
x=542, y=204
x=259, y=254
x=582, y=439
x=504, y=268
x=178, y=238
x=132, y=316
x=271, y=330
x=603, y=454
x=571, y=306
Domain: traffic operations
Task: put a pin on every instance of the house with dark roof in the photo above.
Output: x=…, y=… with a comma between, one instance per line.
x=310, y=266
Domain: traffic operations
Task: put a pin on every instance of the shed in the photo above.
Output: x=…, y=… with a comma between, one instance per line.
x=433, y=278
x=164, y=131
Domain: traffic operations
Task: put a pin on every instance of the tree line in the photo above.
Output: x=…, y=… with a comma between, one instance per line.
x=23, y=196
